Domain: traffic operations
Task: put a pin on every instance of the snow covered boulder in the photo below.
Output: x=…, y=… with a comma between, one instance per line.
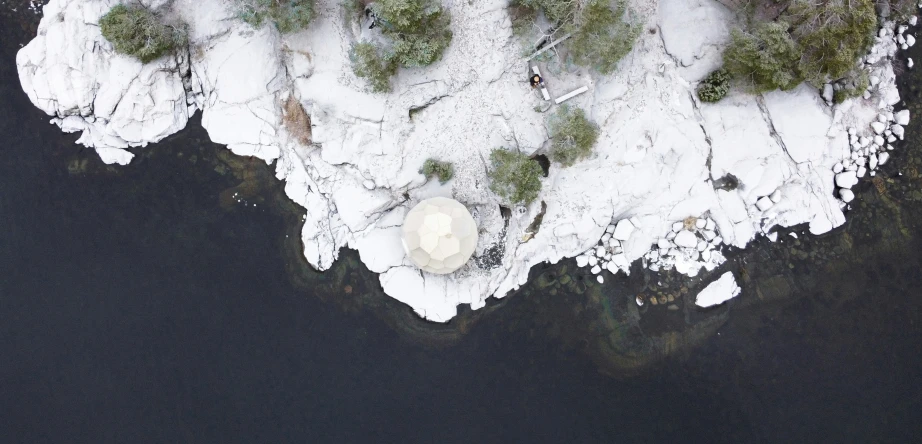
x=623, y=230
x=696, y=47
x=71, y=72
x=719, y=291
x=686, y=239
x=846, y=179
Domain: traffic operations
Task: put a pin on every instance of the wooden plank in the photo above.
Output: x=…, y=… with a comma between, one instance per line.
x=549, y=46
x=571, y=94
x=544, y=93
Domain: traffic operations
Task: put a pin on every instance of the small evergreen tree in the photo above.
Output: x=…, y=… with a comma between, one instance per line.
x=768, y=57
x=141, y=33
x=601, y=38
x=833, y=35
x=572, y=136
x=715, y=86
x=556, y=11
x=514, y=177
x=420, y=30
x=369, y=64
x=814, y=40
x=600, y=35
x=443, y=170
x=287, y=15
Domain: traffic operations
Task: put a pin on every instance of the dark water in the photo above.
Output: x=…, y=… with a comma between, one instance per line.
x=140, y=304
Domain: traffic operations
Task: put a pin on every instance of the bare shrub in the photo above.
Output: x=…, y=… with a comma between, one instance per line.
x=296, y=120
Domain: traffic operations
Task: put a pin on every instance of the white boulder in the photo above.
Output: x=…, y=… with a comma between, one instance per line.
x=882, y=158
x=846, y=195
x=898, y=130
x=828, y=92
x=623, y=230
x=686, y=239
x=846, y=179
x=719, y=291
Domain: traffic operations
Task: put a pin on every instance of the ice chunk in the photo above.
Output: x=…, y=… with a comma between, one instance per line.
x=623, y=230
x=686, y=239
x=847, y=179
x=719, y=291
x=846, y=195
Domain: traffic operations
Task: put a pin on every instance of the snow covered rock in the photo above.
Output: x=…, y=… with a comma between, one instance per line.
x=719, y=291
x=70, y=72
x=623, y=230
x=686, y=239
x=882, y=158
x=846, y=179
x=846, y=195
x=697, y=52
x=828, y=92
x=897, y=130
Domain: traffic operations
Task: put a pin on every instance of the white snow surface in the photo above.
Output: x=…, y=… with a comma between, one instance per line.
x=719, y=291
x=658, y=152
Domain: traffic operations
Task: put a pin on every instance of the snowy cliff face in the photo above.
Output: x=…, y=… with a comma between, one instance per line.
x=659, y=153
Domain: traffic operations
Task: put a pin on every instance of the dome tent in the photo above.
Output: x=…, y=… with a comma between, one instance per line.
x=439, y=235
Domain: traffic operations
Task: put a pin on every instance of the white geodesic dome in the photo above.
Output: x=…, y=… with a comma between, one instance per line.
x=439, y=235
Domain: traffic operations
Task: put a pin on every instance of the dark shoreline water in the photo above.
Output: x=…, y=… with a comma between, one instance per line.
x=141, y=304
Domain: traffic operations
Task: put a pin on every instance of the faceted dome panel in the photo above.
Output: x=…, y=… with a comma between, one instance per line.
x=439, y=235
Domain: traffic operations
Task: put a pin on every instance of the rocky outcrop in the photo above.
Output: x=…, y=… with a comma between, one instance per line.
x=70, y=71
x=662, y=156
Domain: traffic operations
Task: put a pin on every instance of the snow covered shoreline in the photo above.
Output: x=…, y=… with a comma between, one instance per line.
x=661, y=159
